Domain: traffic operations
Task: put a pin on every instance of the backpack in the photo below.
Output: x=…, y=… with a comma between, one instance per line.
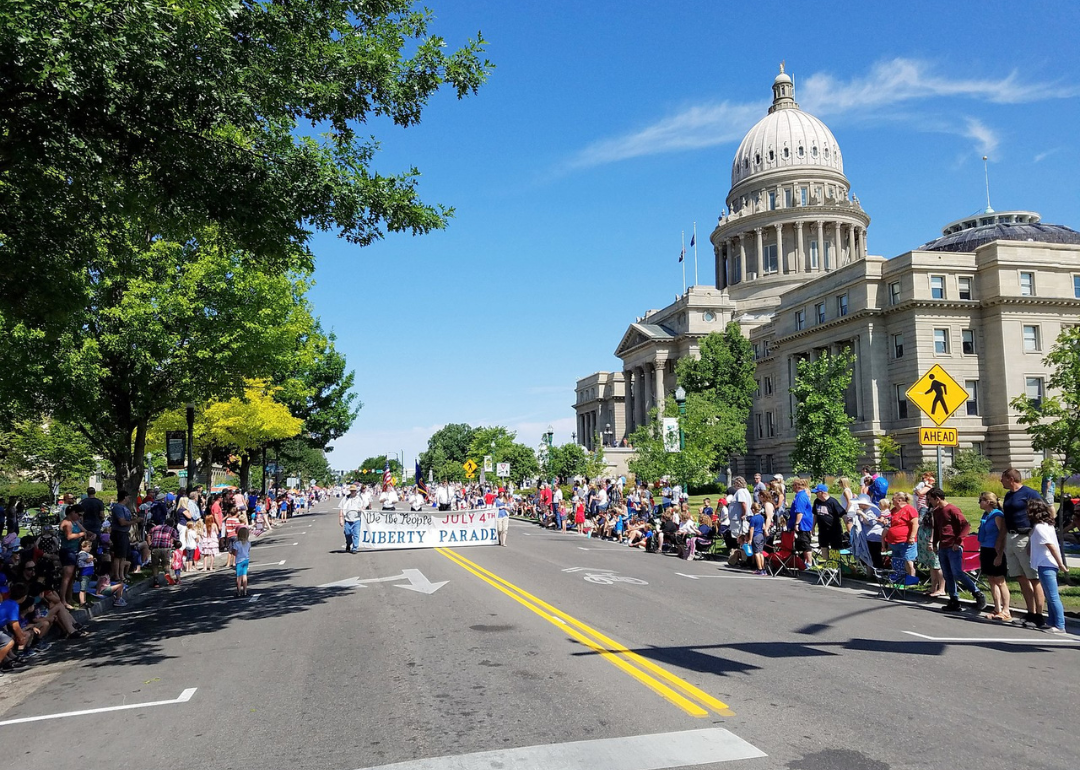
x=881, y=488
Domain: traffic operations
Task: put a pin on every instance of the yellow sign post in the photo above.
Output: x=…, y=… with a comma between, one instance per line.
x=939, y=437
x=937, y=394
x=470, y=468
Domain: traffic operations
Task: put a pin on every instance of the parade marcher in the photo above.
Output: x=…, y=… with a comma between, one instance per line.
x=349, y=513
x=502, y=519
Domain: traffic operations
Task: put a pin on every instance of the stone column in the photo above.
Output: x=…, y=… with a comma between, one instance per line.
x=742, y=257
x=646, y=396
x=658, y=384
x=820, y=246
x=757, y=232
x=728, y=261
x=836, y=246
x=851, y=243
x=780, y=265
x=628, y=402
x=799, y=250
x=862, y=242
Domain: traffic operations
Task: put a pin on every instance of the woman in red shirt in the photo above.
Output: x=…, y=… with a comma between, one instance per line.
x=902, y=535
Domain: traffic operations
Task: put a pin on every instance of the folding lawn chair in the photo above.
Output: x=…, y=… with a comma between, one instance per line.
x=828, y=571
x=782, y=558
x=971, y=563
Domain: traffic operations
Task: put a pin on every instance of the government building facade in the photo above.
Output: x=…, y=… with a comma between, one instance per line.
x=986, y=301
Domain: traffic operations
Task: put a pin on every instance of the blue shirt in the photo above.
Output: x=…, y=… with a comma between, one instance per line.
x=501, y=510
x=757, y=524
x=1014, y=506
x=989, y=528
x=9, y=612
x=801, y=504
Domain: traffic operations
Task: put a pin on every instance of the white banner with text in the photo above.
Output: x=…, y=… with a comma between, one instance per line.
x=427, y=529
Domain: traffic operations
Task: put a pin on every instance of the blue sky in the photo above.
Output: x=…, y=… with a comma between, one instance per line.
x=608, y=128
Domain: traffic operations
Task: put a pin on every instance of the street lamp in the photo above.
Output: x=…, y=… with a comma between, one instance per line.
x=549, y=435
x=680, y=399
x=607, y=433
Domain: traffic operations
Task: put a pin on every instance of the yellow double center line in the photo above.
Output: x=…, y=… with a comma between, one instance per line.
x=690, y=699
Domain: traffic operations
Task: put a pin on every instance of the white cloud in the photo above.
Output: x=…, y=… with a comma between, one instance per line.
x=887, y=85
x=986, y=139
x=1040, y=157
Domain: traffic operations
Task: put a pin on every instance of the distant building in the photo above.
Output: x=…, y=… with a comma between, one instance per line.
x=986, y=300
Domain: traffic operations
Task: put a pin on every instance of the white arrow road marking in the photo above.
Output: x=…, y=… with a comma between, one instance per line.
x=253, y=597
x=637, y=752
x=1040, y=639
x=185, y=696
x=588, y=569
x=417, y=582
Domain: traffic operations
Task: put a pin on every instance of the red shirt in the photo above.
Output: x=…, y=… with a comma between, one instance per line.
x=545, y=496
x=950, y=526
x=900, y=525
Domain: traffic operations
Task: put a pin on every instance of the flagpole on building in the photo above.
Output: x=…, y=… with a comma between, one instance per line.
x=682, y=260
x=693, y=241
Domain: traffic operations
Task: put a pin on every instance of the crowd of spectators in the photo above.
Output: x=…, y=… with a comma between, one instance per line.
x=95, y=552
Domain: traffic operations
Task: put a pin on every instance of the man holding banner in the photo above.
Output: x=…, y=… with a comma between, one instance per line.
x=349, y=519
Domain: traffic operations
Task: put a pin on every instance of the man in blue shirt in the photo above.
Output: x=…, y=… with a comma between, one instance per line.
x=1013, y=542
x=802, y=519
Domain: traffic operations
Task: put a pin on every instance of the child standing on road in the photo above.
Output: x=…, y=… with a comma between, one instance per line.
x=579, y=516
x=208, y=545
x=177, y=564
x=232, y=525
x=241, y=552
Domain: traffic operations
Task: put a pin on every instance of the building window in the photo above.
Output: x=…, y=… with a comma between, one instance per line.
x=941, y=340
x=757, y=351
x=770, y=425
x=1033, y=389
x=978, y=447
x=901, y=403
x=787, y=190
x=768, y=386
x=765, y=349
x=1076, y=286
x=800, y=319
x=757, y=391
x=898, y=345
x=819, y=312
x=804, y=195
x=828, y=254
x=760, y=427
x=841, y=305
x=963, y=287
x=967, y=341
x=813, y=255
x=1027, y=284
x=1031, y=339
x=972, y=387
x=894, y=293
x=937, y=286
x=772, y=200
x=769, y=263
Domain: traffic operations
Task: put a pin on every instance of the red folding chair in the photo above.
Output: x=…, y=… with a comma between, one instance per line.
x=783, y=557
x=971, y=563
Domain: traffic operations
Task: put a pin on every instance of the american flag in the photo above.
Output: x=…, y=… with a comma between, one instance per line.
x=386, y=476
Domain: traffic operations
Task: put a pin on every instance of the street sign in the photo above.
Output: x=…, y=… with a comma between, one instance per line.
x=487, y=463
x=937, y=394
x=175, y=449
x=503, y=470
x=182, y=474
x=939, y=437
x=470, y=467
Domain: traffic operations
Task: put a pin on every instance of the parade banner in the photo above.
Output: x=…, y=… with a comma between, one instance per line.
x=427, y=529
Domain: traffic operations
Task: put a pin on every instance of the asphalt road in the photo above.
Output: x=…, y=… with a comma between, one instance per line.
x=540, y=655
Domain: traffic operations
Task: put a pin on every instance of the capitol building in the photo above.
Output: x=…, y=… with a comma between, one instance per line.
x=985, y=300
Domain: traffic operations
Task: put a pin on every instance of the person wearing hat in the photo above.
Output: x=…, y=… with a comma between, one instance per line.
x=349, y=513
x=829, y=516
x=869, y=517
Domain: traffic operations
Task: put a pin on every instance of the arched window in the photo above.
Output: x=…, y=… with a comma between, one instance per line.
x=772, y=156
x=757, y=159
x=787, y=152
x=813, y=151
x=801, y=151
x=826, y=153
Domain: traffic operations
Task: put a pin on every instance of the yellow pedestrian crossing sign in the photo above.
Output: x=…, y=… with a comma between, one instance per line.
x=937, y=394
x=470, y=467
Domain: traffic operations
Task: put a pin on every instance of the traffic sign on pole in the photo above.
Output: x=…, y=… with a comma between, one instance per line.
x=939, y=437
x=937, y=394
x=470, y=467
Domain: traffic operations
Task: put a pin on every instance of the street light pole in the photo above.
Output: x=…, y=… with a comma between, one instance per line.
x=680, y=399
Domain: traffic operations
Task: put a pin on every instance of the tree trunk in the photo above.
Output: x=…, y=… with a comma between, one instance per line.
x=129, y=462
x=245, y=472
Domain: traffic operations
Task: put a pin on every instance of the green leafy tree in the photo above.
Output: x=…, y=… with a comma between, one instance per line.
x=193, y=113
x=371, y=470
x=887, y=447
x=824, y=443
x=448, y=448
x=524, y=467
x=695, y=463
x=720, y=390
x=566, y=461
x=500, y=443
x=51, y=452
x=165, y=324
x=595, y=465
x=298, y=458
x=1054, y=423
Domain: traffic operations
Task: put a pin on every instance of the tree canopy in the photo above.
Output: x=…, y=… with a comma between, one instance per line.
x=1054, y=422
x=824, y=444
x=205, y=113
x=447, y=449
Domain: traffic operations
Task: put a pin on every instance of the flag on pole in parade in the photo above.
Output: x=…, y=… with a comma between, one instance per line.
x=693, y=238
x=682, y=254
x=421, y=487
x=386, y=477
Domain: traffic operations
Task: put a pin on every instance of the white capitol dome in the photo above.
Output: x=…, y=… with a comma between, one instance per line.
x=786, y=137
